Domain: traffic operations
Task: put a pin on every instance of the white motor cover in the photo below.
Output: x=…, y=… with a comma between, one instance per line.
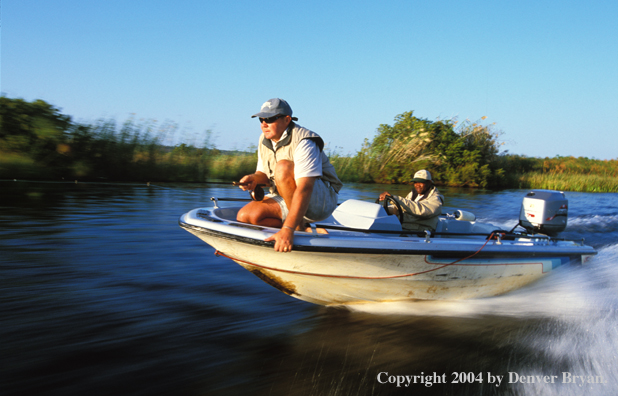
x=544, y=211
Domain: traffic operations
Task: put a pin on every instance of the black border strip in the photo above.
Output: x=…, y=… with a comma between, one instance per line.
x=428, y=252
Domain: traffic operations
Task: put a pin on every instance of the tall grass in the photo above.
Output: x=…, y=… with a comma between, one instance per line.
x=231, y=167
x=38, y=142
x=568, y=182
x=570, y=178
x=19, y=166
x=466, y=155
x=131, y=152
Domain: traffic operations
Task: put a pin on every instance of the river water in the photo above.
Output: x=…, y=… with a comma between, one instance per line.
x=102, y=293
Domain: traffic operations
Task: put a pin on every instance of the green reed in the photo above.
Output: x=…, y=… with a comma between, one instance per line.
x=38, y=142
x=569, y=182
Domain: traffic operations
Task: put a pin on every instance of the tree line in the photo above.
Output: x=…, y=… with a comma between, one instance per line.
x=37, y=141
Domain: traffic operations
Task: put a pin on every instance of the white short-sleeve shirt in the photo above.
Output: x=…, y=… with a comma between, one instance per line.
x=307, y=159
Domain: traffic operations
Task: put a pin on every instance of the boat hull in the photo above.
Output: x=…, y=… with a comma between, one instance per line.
x=328, y=276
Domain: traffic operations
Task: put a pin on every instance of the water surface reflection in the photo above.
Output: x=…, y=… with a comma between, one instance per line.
x=103, y=293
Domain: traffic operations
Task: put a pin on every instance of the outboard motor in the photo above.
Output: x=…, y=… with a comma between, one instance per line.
x=544, y=211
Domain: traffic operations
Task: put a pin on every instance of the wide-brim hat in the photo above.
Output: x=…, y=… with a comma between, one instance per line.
x=274, y=107
x=422, y=176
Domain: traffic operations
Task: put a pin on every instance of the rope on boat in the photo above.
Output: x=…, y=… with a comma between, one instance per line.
x=491, y=236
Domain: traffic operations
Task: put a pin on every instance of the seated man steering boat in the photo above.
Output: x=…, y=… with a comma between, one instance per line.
x=303, y=183
x=421, y=207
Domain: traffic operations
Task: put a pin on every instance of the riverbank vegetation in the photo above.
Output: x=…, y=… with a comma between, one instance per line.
x=38, y=142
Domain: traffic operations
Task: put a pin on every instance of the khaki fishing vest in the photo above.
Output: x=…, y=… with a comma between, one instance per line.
x=286, y=149
x=423, y=214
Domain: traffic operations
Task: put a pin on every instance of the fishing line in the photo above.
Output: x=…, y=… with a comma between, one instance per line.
x=146, y=184
x=173, y=189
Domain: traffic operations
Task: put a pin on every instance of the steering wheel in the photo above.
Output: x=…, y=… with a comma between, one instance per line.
x=388, y=199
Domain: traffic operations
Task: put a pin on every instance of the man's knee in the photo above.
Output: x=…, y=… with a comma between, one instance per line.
x=244, y=215
x=284, y=171
x=266, y=213
x=249, y=214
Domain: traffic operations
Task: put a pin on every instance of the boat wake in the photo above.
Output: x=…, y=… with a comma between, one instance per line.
x=569, y=319
x=595, y=223
x=569, y=291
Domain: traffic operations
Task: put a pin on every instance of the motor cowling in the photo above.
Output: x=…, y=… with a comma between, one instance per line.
x=544, y=211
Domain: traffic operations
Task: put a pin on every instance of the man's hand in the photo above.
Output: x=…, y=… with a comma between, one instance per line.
x=297, y=209
x=384, y=195
x=247, y=183
x=284, y=239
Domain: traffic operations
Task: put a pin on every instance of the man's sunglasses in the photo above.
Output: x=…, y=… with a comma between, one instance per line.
x=270, y=120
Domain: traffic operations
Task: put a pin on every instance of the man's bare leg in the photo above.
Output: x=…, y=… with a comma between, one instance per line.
x=284, y=179
x=265, y=213
x=286, y=183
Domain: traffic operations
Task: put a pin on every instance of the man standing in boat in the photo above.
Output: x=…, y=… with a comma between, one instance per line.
x=422, y=206
x=303, y=183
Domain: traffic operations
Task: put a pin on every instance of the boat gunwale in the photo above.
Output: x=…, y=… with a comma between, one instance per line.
x=438, y=254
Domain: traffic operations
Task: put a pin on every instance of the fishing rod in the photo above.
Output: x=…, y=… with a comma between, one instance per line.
x=259, y=191
x=257, y=194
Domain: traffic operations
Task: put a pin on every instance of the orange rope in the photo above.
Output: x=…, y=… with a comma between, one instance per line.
x=472, y=255
x=218, y=253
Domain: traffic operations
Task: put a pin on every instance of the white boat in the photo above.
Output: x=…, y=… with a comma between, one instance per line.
x=367, y=257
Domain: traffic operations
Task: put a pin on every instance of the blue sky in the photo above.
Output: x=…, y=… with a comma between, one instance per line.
x=546, y=72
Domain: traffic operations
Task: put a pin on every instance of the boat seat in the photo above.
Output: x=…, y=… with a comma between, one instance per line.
x=364, y=215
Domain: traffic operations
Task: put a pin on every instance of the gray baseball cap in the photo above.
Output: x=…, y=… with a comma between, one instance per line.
x=422, y=176
x=273, y=107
